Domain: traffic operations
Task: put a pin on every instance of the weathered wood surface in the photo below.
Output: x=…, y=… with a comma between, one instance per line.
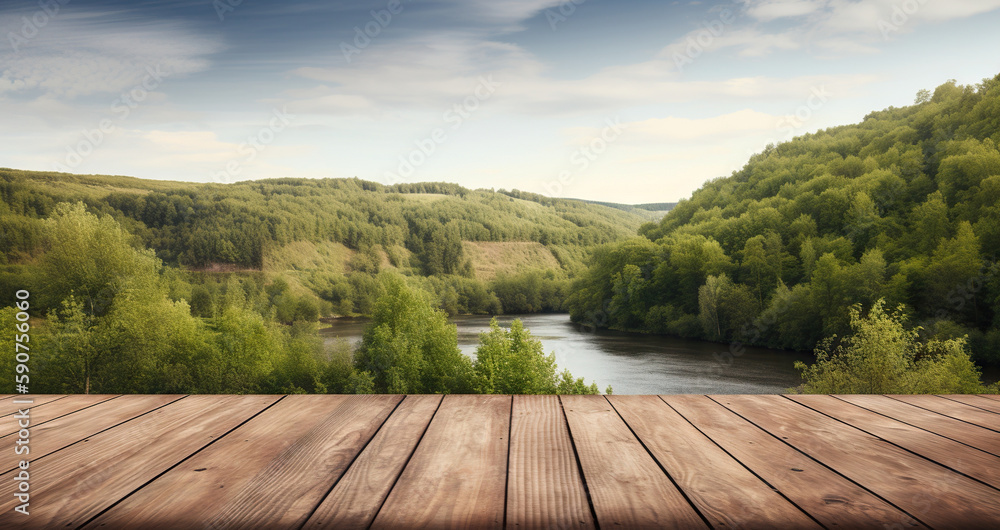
x=463, y=461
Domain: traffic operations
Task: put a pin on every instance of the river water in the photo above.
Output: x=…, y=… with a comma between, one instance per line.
x=631, y=363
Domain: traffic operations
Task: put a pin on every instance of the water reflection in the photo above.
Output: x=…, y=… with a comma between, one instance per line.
x=632, y=363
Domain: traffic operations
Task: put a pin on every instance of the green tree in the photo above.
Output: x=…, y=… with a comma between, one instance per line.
x=883, y=357
x=511, y=361
x=410, y=347
x=91, y=257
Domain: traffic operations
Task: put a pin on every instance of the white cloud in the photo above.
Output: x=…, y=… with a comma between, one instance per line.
x=80, y=54
x=673, y=128
x=774, y=9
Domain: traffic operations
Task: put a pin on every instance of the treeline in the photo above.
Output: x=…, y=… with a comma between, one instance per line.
x=200, y=224
x=416, y=230
x=118, y=321
x=904, y=206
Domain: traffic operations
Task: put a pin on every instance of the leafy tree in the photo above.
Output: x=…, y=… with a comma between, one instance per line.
x=510, y=361
x=883, y=357
x=91, y=257
x=409, y=347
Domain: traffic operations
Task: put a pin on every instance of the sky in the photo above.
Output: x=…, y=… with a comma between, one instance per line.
x=627, y=101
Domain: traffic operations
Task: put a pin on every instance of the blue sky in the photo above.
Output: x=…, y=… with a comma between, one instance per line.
x=627, y=101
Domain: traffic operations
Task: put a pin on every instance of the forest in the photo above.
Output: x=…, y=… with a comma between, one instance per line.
x=873, y=245
x=141, y=286
x=328, y=239
x=900, y=212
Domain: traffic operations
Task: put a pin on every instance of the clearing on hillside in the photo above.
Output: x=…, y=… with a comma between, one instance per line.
x=506, y=257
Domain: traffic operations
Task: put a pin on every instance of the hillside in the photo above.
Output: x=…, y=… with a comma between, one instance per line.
x=328, y=236
x=904, y=206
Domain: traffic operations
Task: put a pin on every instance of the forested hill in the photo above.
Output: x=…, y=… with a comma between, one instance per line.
x=903, y=206
x=333, y=235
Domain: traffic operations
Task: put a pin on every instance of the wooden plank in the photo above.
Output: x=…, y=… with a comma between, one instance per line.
x=947, y=452
x=723, y=490
x=828, y=497
x=957, y=430
x=995, y=397
x=544, y=486
x=953, y=409
x=289, y=457
x=978, y=402
x=50, y=411
x=456, y=477
x=937, y=496
x=7, y=406
x=73, y=485
x=58, y=433
x=359, y=494
x=627, y=487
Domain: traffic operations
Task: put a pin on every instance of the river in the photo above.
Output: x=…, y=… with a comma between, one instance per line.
x=631, y=363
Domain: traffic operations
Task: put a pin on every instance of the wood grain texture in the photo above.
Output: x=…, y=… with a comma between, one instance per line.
x=456, y=477
x=957, y=430
x=544, y=486
x=830, y=498
x=74, y=484
x=922, y=488
x=358, y=495
x=289, y=457
x=995, y=397
x=953, y=409
x=58, y=433
x=7, y=406
x=49, y=411
x=627, y=487
x=979, y=402
x=705, y=472
x=945, y=451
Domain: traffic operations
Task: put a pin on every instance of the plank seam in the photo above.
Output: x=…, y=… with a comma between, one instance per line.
x=64, y=415
x=506, y=482
x=754, y=473
x=969, y=404
x=941, y=413
x=101, y=431
x=660, y=465
x=890, y=442
x=312, y=512
x=405, y=464
x=178, y=463
x=579, y=466
x=916, y=426
x=64, y=396
x=814, y=459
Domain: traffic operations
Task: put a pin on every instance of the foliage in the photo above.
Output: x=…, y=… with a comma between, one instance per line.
x=410, y=347
x=883, y=357
x=510, y=361
x=902, y=206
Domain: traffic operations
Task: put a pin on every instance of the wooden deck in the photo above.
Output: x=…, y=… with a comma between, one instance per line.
x=387, y=461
